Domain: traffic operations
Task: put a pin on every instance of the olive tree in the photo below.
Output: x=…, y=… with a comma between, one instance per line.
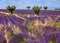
x=45, y=7
x=36, y=9
x=28, y=7
x=11, y=8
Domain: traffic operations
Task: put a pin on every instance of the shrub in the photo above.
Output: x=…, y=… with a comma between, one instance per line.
x=11, y=8
x=45, y=7
x=28, y=7
x=36, y=9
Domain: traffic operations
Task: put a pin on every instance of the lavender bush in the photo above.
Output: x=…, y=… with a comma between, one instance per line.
x=42, y=29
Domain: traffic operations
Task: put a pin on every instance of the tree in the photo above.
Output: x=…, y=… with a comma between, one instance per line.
x=36, y=9
x=28, y=7
x=11, y=8
x=45, y=7
x=56, y=9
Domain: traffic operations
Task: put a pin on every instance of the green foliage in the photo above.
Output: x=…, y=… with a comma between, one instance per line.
x=45, y=7
x=30, y=25
x=8, y=35
x=16, y=31
x=52, y=40
x=36, y=9
x=19, y=40
x=56, y=24
x=28, y=7
x=1, y=41
x=11, y=8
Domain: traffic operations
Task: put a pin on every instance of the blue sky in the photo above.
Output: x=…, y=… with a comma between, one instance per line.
x=21, y=4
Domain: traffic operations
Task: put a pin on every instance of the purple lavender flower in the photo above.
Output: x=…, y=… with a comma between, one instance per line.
x=11, y=20
x=32, y=41
x=18, y=38
x=9, y=29
x=58, y=20
x=31, y=18
x=49, y=29
x=2, y=39
x=2, y=31
x=6, y=20
x=18, y=19
x=9, y=33
x=23, y=29
x=35, y=41
x=1, y=19
x=53, y=38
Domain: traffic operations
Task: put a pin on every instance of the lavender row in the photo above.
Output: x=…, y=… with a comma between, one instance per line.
x=28, y=33
x=47, y=12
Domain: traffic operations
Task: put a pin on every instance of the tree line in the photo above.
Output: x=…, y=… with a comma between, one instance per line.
x=36, y=9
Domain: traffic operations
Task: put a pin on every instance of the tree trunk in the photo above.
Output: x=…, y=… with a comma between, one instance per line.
x=37, y=14
x=11, y=12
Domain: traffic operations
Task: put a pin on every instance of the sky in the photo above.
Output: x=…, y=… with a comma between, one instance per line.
x=21, y=4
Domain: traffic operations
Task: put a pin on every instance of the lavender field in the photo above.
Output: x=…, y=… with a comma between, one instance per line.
x=24, y=26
